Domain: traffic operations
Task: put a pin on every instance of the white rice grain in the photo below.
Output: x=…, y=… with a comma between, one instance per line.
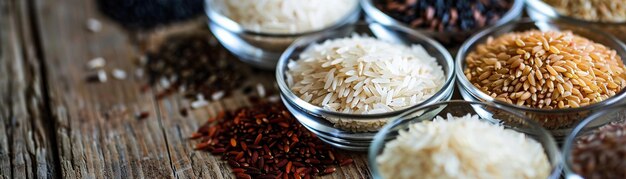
x=364, y=75
x=284, y=16
x=462, y=147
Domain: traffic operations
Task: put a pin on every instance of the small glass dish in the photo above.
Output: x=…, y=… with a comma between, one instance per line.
x=315, y=118
x=615, y=114
x=258, y=48
x=447, y=38
x=559, y=122
x=541, y=11
x=488, y=112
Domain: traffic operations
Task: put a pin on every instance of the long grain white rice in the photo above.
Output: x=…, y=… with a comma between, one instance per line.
x=462, y=147
x=364, y=75
x=284, y=16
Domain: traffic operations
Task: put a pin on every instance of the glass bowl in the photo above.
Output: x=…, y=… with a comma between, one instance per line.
x=488, y=112
x=615, y=114
x=541, y=11
x=258, y=48
x=558, y=121
x=316, y=118
x=446, y=38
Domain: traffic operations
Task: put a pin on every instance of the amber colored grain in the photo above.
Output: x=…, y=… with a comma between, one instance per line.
x=288, y=167
x=549, y=70
x=233, y=142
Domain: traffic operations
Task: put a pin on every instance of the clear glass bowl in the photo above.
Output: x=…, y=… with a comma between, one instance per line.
x=258, y=48
x=446, y=38
x=558, y=121
x=540, y=11
x=316, y=118
x=488, y=112
x=588, y=126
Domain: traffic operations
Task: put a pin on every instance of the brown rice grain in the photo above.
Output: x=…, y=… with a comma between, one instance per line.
x=549, y=70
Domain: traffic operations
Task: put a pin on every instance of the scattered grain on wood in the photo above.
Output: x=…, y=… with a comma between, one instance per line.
x=94, y=25
x=142, y=115
x=98, y=77
x=118, y=74
x=191, y=65
x=96, y=63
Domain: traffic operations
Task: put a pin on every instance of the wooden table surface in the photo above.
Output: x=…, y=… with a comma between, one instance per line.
x=54, y=124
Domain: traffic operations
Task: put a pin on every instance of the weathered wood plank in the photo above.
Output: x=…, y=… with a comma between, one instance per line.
x=98, y=135
x=96, y=138
x=26, y=146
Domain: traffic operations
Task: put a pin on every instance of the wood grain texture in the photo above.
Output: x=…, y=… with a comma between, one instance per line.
x=98, y=135
x=26, y=146
x=55, y=124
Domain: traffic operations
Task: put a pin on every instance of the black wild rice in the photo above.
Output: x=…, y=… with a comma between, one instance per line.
x=191, y=64
x=445, y=15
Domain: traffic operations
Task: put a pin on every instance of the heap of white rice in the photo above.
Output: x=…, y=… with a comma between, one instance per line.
x=364, y=75
x=462, y=147
x=284, y=16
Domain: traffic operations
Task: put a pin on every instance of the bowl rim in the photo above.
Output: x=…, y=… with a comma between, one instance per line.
x=379, y=138
x=232, y=26
x=580, y=127
x=381, y=17
x=548, y=10
x=285, y=91
x=473, y=91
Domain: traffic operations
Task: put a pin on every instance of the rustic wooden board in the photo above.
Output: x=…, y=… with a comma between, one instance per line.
x=55, y=124
x=26, y=143
x=97, y=133
x=98, y=137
